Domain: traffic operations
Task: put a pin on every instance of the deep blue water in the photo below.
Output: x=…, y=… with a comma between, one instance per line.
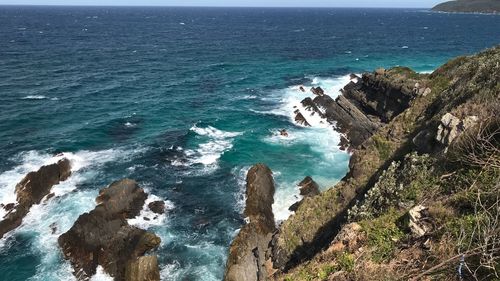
x=185, y=100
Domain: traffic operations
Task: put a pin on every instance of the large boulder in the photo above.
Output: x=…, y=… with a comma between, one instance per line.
x=103, y=236
x=247, y=254
x=31, y=190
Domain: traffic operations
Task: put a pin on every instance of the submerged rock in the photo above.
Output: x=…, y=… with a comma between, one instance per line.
x=157, y=207
x=31, y=190
x=247, y=254
x=103, y=236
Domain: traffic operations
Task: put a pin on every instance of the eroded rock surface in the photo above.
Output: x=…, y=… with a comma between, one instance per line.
x=366, y=103
x=103, y=236
x=143, y=269
x=247, y=254
x=31, y=190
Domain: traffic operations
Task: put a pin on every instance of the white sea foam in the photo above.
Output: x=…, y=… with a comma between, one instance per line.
x=240, y=174
x=320, y=137
x=101, y=275
x=208, y=153
x=148, y=218
x=34, y=97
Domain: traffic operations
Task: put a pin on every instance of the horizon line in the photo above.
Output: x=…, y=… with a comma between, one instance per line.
x=216, y=6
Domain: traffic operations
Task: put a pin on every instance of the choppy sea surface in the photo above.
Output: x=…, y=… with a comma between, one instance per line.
x=185, y=100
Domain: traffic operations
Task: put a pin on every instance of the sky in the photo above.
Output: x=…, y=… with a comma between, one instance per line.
x=236, y=3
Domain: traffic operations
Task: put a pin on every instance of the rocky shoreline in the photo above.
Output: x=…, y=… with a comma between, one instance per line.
x=395, y=196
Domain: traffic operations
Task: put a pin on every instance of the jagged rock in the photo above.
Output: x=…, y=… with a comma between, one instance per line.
x=365, y=104
x=31, y=190
x=308, y=187
x=414, y=221
x=451, y=127
x=143, y=269
x=103, y=236
x=247, y=254
x=348, y=118
x=300, y=119
x=317, y=91
x=302, y=89
x=157, y=207
x=353, y=76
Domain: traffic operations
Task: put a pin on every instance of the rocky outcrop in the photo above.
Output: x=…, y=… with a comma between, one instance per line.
x=366, y=103
x=308, y=188
x=416, y=221
x=103, y=236
x=247, y=254
x=31, y=190
x=317, y=91
x=451, y=127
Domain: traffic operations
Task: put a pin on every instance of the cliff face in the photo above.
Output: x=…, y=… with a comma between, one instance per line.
x=469, y=6
x=423, y=181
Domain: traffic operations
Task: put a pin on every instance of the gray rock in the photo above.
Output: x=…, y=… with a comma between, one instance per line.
x=247, y=254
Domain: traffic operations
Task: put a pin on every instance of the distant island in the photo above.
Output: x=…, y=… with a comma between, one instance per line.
x=469, y=6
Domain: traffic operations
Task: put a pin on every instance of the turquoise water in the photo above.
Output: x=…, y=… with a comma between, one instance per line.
x=185, y=100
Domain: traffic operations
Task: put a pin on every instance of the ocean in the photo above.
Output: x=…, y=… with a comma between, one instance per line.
x=185, y=100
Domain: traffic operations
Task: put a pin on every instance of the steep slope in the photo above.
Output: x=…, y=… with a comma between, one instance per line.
x=422, y=197
x=401, y=213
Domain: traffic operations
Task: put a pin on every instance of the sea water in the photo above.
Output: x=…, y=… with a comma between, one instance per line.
x=185, y=101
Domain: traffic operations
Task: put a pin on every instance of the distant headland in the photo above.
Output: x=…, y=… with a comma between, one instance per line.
x=469, y=6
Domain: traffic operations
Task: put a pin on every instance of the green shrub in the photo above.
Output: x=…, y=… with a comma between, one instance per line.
x=382, y=235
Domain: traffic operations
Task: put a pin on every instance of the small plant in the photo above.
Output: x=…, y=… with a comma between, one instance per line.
x=325, y=271
x=346, y=262
x=382, y=234
x=383, y=147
